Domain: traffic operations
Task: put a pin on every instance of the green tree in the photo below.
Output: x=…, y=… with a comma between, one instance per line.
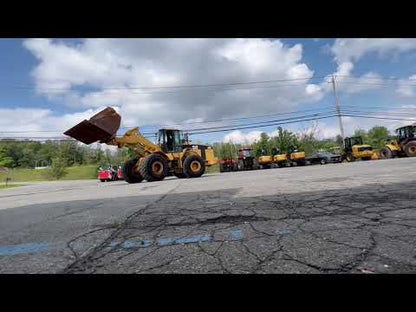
x=5, y=160
x=361, y=133
x=378, y=136
x=284, y=140
x=263, y=144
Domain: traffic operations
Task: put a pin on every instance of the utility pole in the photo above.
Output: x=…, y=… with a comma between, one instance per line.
x=341, y=128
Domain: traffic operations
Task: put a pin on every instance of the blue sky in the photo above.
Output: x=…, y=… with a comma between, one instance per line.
x=49, y=85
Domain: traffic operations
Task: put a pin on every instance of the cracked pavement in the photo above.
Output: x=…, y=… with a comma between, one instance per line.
x=339, y=218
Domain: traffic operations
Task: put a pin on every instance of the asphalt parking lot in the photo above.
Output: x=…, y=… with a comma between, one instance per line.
x=338, y=218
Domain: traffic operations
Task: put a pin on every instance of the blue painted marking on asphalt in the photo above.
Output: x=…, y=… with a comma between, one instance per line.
x=134, y=243
x=195, y=239
x=166, y=241
x=23, y=249
x=237, y=234
x=283, y=232
x=187, y=240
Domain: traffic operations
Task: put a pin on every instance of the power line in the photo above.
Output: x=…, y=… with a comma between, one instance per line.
x=183, y=124
x=184, y=86
x=265, y=123
x=264, y=126
x=280, y=122
x=238, y=119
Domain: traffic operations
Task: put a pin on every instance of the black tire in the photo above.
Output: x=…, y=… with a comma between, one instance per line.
x=102, y=180
x=131, y=176
x=154, y=168
x=386, y=153
x=410, y=149
x=193, y=166
x=240, y=165
x=323, y=161
x=366, y=158
x=350, y=158
x=222, y=168
x=180, y=175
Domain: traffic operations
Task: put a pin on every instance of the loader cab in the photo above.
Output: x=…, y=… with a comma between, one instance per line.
x=170, y=140
x=407, y=133
x=350, y=142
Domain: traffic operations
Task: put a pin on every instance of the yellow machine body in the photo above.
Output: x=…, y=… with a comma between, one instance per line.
x=394, y=146
x=360, y=151
x=279, y=158
x=297, y=156
x=265, y=160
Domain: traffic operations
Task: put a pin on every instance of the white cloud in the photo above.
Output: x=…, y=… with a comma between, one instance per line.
x=351, y=50
x=239, y=137
x=106, y=65
x=31, y=122
x=347, y=52
x=404, y=87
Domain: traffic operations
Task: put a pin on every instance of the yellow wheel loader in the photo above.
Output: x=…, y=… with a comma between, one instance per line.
x=153, y=162
x=265, y=161
x=280, y=160
x=297, y=158
x=403, y=146
x=355, y=149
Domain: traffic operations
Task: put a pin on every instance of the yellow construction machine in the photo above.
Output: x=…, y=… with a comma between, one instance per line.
x=265, y=161
x=403, y=146
x=354, y=148
x=173, y=155
x=296, y=157
x=280, y=160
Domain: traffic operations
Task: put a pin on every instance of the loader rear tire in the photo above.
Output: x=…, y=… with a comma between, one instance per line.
x=130, y=175
x=193, y=166
x=386, y=153
x=154, y=168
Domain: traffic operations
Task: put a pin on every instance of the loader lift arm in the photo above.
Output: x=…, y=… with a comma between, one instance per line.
x=136, y=141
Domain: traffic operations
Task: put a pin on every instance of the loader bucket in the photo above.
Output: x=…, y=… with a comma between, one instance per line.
x=101, y=127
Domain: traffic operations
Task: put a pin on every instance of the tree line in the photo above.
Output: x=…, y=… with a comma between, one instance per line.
x=31, y=154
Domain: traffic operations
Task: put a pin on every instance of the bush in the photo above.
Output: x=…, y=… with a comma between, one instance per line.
x=58, y=169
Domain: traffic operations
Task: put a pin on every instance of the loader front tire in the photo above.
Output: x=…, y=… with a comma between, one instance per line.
x=410, y=149
x=154, y=168
x=386, y=153
x=193, y=166
x=350, y=158
x=130, y=175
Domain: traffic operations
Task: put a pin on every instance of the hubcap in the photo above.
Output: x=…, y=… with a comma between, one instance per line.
x=157, y=167
x=195, y=166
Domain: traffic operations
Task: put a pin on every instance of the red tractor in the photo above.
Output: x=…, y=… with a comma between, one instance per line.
x=246, y=159
x=228, y=164
x=110, y=174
